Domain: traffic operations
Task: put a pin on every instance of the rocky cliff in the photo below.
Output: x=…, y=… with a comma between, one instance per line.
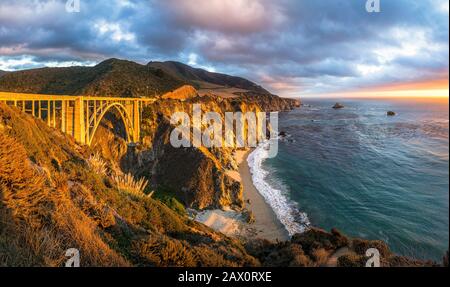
x=198, y=177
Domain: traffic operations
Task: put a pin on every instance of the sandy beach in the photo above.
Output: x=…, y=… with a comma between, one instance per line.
x=232, y=223
x=266, y=224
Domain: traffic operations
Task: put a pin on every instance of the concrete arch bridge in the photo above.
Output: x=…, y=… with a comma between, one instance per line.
x=80, y=116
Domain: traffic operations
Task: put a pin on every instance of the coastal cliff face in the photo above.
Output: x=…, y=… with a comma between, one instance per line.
x=198, y=177
x=270, y=103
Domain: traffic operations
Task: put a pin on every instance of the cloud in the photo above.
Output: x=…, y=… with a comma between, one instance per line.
x=232, y=16
x=293, y=47
x=114, y=31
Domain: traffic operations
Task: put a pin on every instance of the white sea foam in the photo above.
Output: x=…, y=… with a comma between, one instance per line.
x=285, y=210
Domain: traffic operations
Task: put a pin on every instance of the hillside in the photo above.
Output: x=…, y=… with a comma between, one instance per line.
x=201, y=79
x=3, y=73
x=54, y=196
x=121, y=78
x=112, y=77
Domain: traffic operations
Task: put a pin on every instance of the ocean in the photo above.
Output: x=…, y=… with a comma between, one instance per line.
x=362, y=172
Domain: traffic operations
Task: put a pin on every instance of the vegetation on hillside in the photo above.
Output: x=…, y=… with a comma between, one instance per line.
x=52, y=200
x=199, y=77
x=316, y=247
x=182, y=93
x=113, y=77
x=120, y=78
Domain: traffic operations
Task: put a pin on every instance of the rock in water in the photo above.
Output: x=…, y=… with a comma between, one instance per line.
x=391, y=113
x=338, y=106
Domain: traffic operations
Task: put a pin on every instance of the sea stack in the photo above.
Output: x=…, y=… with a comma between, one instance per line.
x=391, y=113
x=338, y=106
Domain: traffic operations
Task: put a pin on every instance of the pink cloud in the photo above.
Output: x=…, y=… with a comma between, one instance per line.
x=240, y=16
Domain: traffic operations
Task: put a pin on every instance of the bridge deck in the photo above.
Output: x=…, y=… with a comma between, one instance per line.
x=9, y=96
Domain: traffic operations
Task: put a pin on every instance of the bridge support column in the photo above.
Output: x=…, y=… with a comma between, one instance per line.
x=63, y=116
x=54, y=114
x=136, y=122
x=48, y=113
x=87, y=125
x=79, y=125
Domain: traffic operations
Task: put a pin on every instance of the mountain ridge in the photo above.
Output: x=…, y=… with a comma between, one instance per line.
x=112, y=77
x=198, y=76
x=120, y=78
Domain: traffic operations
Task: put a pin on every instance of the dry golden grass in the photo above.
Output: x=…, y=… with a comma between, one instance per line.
x=162, y=251
x=127, y=183
x=39, y=220
x=182, y=93
x=320, y=256
x=97, y=164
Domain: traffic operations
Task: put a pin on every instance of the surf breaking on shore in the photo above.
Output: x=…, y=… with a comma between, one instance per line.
x=286, y=210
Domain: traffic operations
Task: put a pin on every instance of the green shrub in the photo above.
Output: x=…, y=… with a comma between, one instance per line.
x=167, y=196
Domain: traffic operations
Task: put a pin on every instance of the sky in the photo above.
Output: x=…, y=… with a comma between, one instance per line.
x=291, y=47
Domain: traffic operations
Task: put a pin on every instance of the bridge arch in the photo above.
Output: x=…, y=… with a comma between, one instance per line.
x=95, y=120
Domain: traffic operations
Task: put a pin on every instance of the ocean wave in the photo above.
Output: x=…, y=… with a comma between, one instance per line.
x=286, y=210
